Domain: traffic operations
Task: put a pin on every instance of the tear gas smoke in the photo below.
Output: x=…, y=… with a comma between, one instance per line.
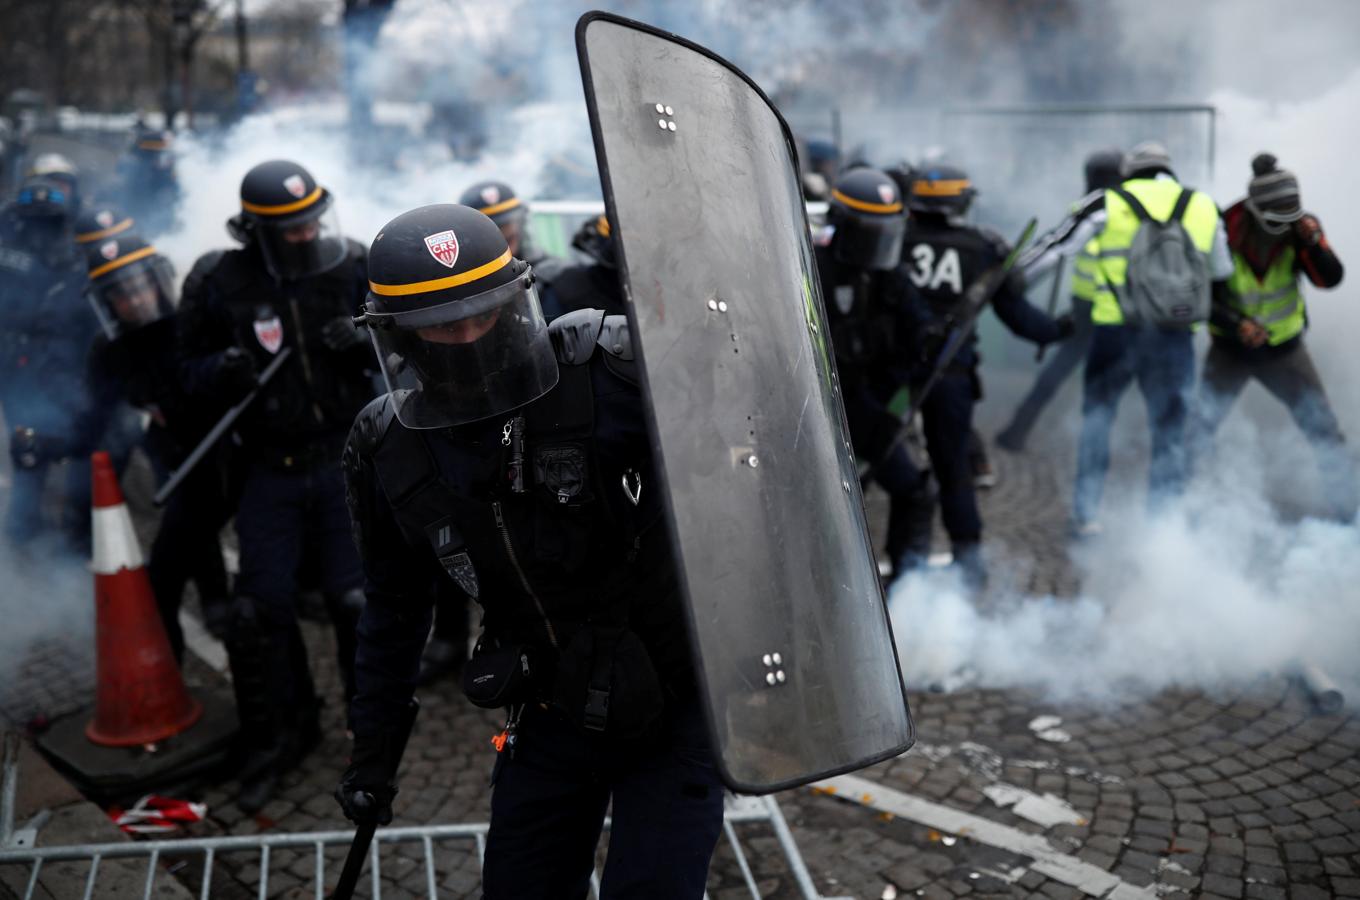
x=1236, y=581
x=49, y=620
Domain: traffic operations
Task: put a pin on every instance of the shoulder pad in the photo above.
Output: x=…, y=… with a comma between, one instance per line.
x=219, y=268
x=994, y=240
x=575, y=334
x=206, y=263
x=372, y=425
x=615, y=338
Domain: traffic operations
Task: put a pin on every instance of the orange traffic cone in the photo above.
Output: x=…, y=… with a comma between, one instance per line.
x=139, y=696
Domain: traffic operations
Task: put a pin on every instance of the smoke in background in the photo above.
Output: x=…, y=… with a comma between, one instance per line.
x=1234, y=583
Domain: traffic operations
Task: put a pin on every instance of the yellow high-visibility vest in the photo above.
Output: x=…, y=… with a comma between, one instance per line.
x=1110, y=248
x=1273, y=300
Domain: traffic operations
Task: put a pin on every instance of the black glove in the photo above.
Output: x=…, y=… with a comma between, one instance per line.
x=367, y=788
x=236, y=373
x=1066, y=327
x=340, y=335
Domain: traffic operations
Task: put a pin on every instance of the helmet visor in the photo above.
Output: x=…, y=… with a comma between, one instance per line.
x=869, y=242
x=468, y=359
x=133, y=296
x=301, y=246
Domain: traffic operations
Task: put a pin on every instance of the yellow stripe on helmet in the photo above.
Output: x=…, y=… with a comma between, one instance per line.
x=866, y=206
x=116, y=228
x=283, y=208
x=950, y=187
x=441, y=284
x=122, y=261
x=499, y=207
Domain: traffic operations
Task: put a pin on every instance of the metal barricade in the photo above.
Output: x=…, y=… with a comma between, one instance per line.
x=738, y=811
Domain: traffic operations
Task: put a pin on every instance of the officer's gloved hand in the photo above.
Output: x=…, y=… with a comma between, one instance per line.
x=236, y=374
x=1066, y=326
x=366, y=790
x=339, y=334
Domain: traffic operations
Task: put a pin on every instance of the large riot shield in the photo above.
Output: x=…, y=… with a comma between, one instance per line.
x=789, y=624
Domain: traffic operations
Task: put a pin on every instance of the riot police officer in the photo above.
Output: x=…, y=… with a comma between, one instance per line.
x=510, y=212
x=941, y=256
x=44, y=338
x=147, y=186
x=857, y=256
x=133, y=370
x=294, y=284
x=516, y=455
x=592, y=283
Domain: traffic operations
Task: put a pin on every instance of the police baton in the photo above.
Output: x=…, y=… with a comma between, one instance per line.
x=363, y=837
x=979, y=294
x=205, y=446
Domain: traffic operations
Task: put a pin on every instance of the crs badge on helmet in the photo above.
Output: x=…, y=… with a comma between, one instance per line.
x=787, y=615
x=443, y=247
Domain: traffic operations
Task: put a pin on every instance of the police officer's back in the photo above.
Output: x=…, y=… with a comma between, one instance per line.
x=942, y=255
x=518, y=458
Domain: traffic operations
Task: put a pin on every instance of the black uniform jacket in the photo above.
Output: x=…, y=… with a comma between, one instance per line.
x=229, y=300
x=940, y=259
x=566, y=550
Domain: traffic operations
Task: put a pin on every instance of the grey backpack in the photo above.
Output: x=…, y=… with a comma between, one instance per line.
x=1168, y=277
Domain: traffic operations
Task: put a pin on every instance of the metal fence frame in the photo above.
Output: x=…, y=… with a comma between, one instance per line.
x=739, y=810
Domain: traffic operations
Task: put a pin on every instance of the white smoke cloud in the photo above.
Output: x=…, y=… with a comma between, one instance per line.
x=1212, y=595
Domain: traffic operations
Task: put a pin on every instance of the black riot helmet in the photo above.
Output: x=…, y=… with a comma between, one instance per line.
x=941, y=189
x=42, y=197
x=866, y=211
x=290, y=218
x=101, y=223
x=1103, y=169
x=131, y=285
x=499, y=201
x=152, y=147
x=595, y=239
x=57, y=168
x=455, y=319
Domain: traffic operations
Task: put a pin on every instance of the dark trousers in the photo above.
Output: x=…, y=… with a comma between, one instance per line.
x=1070, y=354
x=187, y=547
x=281, y=514
x=911, y=498
x=1293, y=380
x=549, y=801
x=1163, y=363
x=948, y=417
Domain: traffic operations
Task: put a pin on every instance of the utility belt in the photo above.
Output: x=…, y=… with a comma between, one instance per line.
x=602, y=679
x=301, y=458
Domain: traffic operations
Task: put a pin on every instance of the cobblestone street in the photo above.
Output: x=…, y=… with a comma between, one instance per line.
x=1247, y=793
